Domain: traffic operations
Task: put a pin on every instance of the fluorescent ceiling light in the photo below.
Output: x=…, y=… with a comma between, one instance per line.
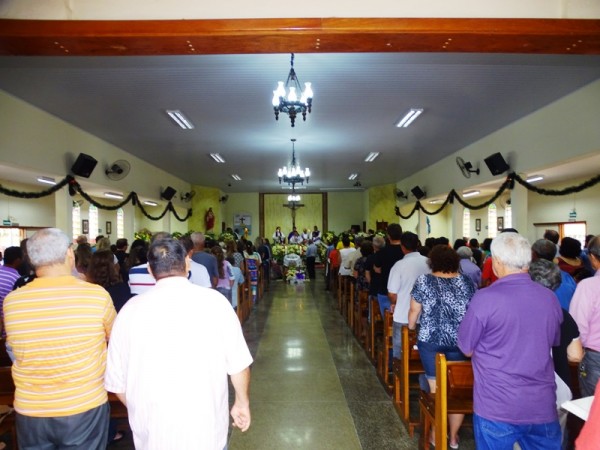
x=470, y=194
x=236, y=177
x=218, y=158
x=149, y=203
x=113, y=195
x=288, y=188
x=46, y=180
x=180, y=119
x=534, y=178
x=409, y=117
x=371, y=156
x=433, y=202
x=353, y=176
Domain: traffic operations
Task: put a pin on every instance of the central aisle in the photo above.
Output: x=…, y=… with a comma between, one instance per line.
x=312, y=386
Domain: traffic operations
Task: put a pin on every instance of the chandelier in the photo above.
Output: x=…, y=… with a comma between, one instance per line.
x=293, y=198
x=288, y=102
x=293, y=174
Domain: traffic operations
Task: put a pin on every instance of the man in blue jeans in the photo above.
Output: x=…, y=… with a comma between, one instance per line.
x=509, y=330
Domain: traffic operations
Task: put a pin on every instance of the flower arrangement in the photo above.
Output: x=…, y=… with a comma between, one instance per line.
x=295, y=275
x=278, y=252
x=179, y=234
x=297, y=249
x=322, y=251
x=328, y=237
x=225, y=236
x=144, y=234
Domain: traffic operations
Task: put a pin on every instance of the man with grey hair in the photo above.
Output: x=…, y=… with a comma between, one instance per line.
x=509, y=330
x=201, y=256
x=468, y=267
x=57, y=327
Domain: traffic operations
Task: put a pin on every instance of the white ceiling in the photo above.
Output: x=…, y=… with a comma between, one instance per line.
x=358, y=98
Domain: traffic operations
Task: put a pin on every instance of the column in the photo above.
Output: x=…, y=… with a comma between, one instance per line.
x=63, y=211
x=456, y=222
x=520, y=219
x=128, y=222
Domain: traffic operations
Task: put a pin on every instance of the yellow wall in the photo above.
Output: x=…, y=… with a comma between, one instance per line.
x=382, y=204
x=205, y=198
x=242, y=203
x=344, y=210
x=276, y=214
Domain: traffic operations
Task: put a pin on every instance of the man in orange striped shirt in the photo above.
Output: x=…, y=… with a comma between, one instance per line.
x=57, y=327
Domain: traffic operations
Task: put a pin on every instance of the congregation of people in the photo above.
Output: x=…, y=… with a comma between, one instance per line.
x=59, y=306
x=522, y=313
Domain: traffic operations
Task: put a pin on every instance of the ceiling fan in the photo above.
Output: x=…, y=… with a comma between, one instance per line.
x=118, y=170
x=466, y=167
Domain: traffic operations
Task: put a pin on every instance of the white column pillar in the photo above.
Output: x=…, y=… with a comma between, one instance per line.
x=456, y=222
x=422, y=226
x=128, y=222
x=520, y=219
x=63, y=211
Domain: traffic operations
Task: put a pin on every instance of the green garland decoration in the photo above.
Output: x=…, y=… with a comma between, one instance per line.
x=557, y=192
x=74, y=187
x=58, y=186
x=509, y=183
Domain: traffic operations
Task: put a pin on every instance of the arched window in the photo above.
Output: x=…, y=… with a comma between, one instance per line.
x=93, y=217
x=466, y=232
x=120, y=223
x=492, y=221
x=508, y=217
x=76, y=218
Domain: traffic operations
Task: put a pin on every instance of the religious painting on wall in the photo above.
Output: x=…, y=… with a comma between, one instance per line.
x=242, y=224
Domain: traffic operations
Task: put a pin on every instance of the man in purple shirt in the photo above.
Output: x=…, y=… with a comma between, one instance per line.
x=509, y=330
x=13, y=257
x=585, y=309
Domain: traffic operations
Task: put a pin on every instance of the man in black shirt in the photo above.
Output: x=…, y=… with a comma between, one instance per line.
x=383, y=262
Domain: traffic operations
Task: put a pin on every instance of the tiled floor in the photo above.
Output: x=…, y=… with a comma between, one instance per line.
x=312, y=384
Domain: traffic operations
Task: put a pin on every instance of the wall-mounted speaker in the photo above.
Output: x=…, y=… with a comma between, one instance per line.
x=168, y=193
x=496, y=164
x=418, y=192
x=84, y=165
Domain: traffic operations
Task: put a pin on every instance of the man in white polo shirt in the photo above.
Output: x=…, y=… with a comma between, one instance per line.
x=180, y=402
x=402, y=278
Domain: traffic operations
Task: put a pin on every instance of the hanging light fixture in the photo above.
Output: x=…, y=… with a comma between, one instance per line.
x=287, y=102
x=293, y=198
x=293, y=174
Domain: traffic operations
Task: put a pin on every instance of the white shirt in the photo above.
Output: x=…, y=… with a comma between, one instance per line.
x=170, y=352
x=402, y=278
x=199, y=275
x=295, y=240
x=140, y=279
x=346, y=255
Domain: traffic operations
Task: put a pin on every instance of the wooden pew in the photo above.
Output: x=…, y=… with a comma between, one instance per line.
x=5, y=360
x=454, y=395
x=408, y=365
x=7, y=396
x=383, y=357
x=360, y=315
x=241, y=302
x=350, y=301
x=375, y=329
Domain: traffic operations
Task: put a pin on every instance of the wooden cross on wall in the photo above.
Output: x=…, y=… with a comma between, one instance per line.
x=293, y=207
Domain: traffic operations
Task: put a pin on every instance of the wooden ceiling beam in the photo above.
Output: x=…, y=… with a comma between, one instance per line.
x=248, y=36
